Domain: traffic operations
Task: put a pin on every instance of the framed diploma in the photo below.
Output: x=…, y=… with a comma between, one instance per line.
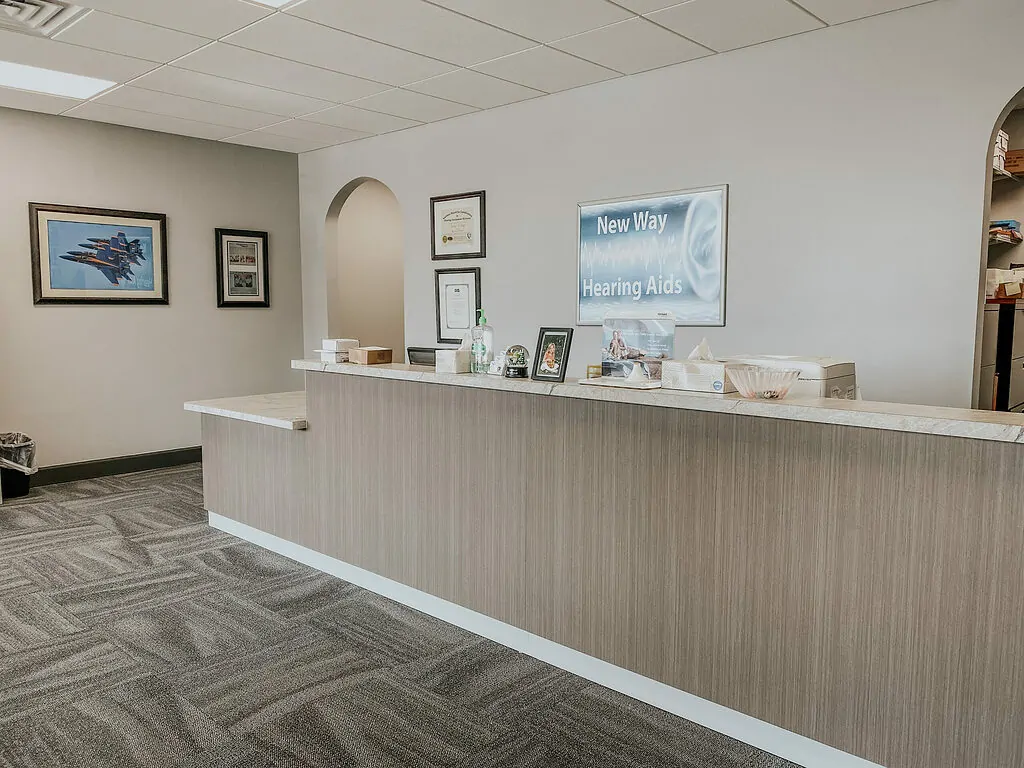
x=243, y=267
x=458, y=226
x=458, y=299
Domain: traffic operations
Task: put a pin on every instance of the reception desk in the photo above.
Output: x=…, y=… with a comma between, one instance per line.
x=849, y=572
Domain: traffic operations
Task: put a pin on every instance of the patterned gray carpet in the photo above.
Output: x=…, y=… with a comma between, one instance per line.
x=134, y=635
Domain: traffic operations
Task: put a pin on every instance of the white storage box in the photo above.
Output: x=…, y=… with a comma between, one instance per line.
x=327, y=356
x=696, y=376
x=819, y=376
x=338, y=345
x=451, y=361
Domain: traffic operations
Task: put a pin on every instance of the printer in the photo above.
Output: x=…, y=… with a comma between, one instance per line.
x=819, y=376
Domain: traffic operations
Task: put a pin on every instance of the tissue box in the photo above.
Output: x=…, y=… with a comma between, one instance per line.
x=696, y=376
x=370, y=355
x=338, y=345
x=451, y=361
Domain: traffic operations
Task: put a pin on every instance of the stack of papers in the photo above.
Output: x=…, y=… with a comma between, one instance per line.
x=1005, y=231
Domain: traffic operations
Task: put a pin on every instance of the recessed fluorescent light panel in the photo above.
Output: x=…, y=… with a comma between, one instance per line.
x=26, y=78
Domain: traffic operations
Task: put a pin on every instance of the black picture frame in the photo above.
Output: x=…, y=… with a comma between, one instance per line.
x=264, y=238
x=559, y=377
x=474, y=272
x=160, y=235
x=482, y=252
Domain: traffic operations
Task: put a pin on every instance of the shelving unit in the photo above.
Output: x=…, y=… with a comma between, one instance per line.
x=998, y=175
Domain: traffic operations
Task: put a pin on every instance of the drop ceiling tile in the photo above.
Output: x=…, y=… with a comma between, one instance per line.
x=646, y=6
x=299, y=40
x=232, y=93
x=272, y=72
x=302, y=129
x=546, y=69
x=207, y=18
x=35, y=102
x=724, y=25
x=266, y=140
x=64, y=57
x=632, y=46
x=361, y=120
x=412, y=106
x=105, y=113
x=142, y=100
x=541, y=20
x=115, y=34
x=474, y=88
x=415, y=26
x=839, y=11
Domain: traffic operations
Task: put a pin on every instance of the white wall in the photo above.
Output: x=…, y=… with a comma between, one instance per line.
x=366, y=287
x=857, y=158
x=92, y=382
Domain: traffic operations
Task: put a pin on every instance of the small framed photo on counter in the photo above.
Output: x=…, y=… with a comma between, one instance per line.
x=458, y=300
x=552, y=354
x=243, y=268
x=458, y=226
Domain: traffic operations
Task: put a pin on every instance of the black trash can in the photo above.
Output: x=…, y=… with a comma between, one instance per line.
x=17, y=464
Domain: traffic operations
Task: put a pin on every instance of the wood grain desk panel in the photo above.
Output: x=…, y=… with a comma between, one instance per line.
x=860, y=587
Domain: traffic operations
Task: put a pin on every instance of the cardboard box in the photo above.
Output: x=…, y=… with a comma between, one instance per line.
x=370, y=355
x=338, y=345
x=451, y=361
x=1015, y=161
x=697, y=376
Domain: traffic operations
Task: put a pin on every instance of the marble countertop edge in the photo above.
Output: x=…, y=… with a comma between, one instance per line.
x=284, y=410
x=898, y=417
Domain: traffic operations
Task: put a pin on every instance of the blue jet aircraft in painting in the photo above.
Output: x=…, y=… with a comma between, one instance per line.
x=114, y=257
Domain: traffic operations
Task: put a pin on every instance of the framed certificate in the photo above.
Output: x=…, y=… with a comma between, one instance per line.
x=458, y=299
x=458, y=226
x=243, y=267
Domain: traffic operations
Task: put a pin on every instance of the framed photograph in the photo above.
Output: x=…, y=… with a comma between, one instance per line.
x=662, y=253
x=552, y=354
x=458, y=300
x=243, y=268
x=458, y=226
x=97, y=255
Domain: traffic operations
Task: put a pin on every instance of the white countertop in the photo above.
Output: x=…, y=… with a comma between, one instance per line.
x=285, y=410
x=924, y=419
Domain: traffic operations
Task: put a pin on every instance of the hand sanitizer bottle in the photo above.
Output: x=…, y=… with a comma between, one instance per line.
x=483, y=345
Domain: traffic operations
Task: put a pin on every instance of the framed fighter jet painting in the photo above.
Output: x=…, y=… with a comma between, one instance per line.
x=97, y=256
x=243, y=268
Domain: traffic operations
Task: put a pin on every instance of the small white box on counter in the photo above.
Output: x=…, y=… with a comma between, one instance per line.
x=696, y=376
x=338, y=345
x=327, y=356
x=451, y=361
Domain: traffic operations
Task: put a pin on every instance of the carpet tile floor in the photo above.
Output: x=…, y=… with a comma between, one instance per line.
x=133, y=635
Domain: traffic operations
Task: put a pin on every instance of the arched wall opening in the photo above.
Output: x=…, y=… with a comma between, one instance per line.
x=365, y=266
x=1004, y=199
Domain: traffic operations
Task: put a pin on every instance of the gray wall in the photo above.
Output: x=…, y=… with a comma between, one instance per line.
x=857, y=158
x=91, y=382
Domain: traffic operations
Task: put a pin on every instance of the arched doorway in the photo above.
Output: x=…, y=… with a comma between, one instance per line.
x=365, y=266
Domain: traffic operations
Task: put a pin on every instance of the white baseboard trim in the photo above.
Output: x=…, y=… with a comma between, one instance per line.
x=765, y=736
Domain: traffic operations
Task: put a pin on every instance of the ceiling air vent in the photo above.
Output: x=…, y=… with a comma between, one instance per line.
x=43, y=18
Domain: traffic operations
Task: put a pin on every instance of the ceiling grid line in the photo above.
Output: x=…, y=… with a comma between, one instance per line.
x=262, y=76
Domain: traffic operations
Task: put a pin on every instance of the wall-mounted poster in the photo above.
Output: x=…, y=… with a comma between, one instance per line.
x=458, y=300
x=243, y=268
x=97, y=256
x=660, y=253
x=458, y=226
